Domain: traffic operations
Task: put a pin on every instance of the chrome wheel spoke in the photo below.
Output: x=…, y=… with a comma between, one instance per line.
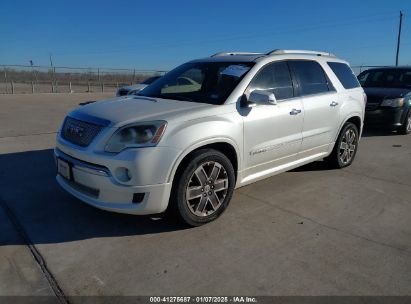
x=201, y=175
x=221, y=184
x=215, y=172
x=215, y=201
x=347, y=136
x=343, y=146
x=201, y=204
x=344, y=156
x=352, y=138
x=194, y=192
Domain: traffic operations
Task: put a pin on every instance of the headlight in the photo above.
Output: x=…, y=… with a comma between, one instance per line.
x=394, y=103
x=143, y=134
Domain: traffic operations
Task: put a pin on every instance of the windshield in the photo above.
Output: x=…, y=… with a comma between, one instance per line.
x=205, y=82
x=386, y=78
x=150, y=80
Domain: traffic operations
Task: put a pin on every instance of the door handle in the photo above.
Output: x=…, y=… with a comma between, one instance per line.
x=333, y=104
x=295, y=112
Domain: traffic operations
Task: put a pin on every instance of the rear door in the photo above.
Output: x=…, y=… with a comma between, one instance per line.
x=321, y=105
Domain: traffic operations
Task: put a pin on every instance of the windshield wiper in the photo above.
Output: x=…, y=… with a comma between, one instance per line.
x=178, y=97
x=169, y=96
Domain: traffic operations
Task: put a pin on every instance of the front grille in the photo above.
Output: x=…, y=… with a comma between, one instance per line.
x=85, y=189
x=79, y=132
x=374, y=99
x=371, y=106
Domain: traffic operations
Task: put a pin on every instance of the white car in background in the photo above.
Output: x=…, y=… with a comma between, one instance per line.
x=135, y=88
x=185, y=142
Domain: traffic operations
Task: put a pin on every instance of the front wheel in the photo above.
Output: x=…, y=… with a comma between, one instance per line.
x=406, y=127
x=345, y=148
x=202, y=188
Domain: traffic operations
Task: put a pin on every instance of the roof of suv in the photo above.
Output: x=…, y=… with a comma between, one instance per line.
x=389, y=68
x=229, y=58
x=253, y=57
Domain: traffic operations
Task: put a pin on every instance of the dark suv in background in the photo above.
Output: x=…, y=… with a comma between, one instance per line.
x=389, y=98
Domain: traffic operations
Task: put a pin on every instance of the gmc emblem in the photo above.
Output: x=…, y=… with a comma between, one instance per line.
x=74, y=130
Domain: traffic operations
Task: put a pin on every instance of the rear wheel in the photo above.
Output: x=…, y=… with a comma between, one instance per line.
x=345, y=148
x=406, y=127
x=203, y=188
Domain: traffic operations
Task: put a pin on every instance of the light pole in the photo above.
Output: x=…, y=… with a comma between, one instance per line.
x=399, y=39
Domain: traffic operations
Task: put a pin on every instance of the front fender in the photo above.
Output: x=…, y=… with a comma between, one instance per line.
x=201, y=143
x=187, y=136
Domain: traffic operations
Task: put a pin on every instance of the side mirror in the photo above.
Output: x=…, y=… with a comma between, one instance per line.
x=262, y=97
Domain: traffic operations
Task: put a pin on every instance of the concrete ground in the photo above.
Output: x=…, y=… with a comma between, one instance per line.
x=311, y=231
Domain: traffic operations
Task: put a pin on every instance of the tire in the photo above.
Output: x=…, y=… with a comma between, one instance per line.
x=194, y=198
x=344, y=152
x=406, y=127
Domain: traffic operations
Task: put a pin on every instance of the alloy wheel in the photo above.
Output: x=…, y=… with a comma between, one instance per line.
x=347, y=146
x=207, y=189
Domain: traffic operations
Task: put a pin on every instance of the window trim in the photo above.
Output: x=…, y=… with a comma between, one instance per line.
x=330, y=85
x=338, y=78
x=293, y=83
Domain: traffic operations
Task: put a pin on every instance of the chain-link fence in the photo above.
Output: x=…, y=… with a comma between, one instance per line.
x=42, y=79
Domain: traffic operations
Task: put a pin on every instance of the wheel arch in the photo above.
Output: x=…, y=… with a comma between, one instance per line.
x=355, y=118
x=223, y=145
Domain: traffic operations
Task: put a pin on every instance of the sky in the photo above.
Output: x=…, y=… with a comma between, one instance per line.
x=159, y=35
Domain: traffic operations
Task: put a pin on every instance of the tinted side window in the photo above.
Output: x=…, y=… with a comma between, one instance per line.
x=344, y=74
x=310, y=77
x=276, y=79
x=386, y=78
x=406, y=79
x=362, y=78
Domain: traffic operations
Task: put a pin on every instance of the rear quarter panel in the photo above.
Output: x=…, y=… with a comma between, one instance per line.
x=353, y=106
x=352, y=100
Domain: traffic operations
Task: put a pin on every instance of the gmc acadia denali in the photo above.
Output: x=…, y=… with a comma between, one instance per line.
x=185, y=142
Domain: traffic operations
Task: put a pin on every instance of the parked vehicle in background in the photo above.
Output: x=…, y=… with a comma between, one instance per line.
x=389, y=98
x=134, y=89
x=211, y=125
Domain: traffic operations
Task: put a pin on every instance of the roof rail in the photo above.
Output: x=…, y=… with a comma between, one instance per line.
x=317, y=53
x=234, y=53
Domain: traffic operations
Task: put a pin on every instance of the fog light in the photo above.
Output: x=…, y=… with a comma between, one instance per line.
x=123, y=174
x=138, y=197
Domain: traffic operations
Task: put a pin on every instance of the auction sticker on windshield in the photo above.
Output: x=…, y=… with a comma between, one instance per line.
x=235, y=70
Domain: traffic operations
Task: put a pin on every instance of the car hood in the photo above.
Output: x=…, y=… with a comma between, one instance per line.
x=124, y=110
x=379, y=94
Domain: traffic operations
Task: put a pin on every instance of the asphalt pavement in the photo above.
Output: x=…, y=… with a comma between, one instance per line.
x=310, y=231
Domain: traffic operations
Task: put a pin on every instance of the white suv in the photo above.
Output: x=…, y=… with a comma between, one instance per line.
x=210, y=126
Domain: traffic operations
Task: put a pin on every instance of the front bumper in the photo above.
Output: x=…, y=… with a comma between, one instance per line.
x=95, y=185
x=384, y=117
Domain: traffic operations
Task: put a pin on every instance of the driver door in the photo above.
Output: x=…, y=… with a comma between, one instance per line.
x=272, y=133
